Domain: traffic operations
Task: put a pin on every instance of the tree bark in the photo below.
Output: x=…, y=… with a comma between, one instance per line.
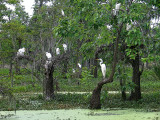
x=64, y=70
x=136, y=94
x=95, y=100
x=95, y=65
x=11, y=72
x=48, y=83
x=122, y=83
x=17, y=67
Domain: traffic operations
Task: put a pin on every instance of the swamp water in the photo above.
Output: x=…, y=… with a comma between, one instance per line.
x=80, y=114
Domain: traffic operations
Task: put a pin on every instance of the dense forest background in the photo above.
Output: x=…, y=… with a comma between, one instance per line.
x=127, y=39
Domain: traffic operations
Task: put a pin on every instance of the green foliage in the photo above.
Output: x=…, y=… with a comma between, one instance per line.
x=86, y=77
x=156, y=70
x=12, y=37
x=13, y=1
x=84, y=30
x=104, y=95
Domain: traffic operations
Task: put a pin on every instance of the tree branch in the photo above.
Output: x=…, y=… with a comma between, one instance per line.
x=110, y=79
x=25, y=57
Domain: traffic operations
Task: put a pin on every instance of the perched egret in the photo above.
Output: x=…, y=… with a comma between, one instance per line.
x=79, y=65
x=103, y=68
x=21, y=52
x=65, y=47
x=99, y=36
x=128, y=27
x=117, y=7
x=154, y=22
x=114, y=12
x=47, y=63
x=109, y=26
x=62, y=12
x=48, y=55
x=73, y=70
x=57, y=51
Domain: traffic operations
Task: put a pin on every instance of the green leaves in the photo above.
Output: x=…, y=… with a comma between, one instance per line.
x=13, y=1
x=12, y=37
x=134, y=37
x=86, y=76
x=131, y=53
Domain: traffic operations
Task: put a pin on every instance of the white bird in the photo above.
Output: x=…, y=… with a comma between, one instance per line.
x=47, y=63
x=99, y=36
x=154, y=22
x=21, y=52
x=62, y=12
x=65, y=47
x=48, y=55
x=117, y=7
x=103, y=68
x=109, y=26
x=73, y=70
x=57, y=51
x=114, y=12
x=128, y=27
x=79, y=65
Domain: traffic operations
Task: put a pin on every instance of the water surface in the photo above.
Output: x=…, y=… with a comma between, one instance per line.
x=80, y=114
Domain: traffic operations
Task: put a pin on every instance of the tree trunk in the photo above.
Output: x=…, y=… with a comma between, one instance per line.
x=95, y=99
x=48, y=84
x=17, y=66
x=41, y=3
x=11, y=72
x=48, y=81
x=64, y=70
x=95, y=65
x=122, y=83
x=136, y=94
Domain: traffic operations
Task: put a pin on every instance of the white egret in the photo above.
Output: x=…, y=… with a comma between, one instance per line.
x=117, y=7
x=103, y=67
x=48, y=55
x=128, y=27
x=109, y=26
x=57, y=51
x=21, y=52
x=99, y=36
x=154, y=22
x=62, y=12
x=65, y=47
x=114, y=12
x=73, y=70
x=47, y=63
x=79, y=65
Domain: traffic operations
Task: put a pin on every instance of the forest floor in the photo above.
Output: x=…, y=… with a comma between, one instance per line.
x=28, y=96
